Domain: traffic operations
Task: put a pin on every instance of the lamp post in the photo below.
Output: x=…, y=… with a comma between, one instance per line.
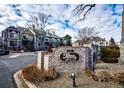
x=73, y=78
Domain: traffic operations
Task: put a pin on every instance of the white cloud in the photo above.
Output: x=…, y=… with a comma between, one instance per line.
x=103, y=20
x=100, y=17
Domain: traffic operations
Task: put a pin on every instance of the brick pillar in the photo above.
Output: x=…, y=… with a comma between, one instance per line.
x=40, y=59
x=46, y=62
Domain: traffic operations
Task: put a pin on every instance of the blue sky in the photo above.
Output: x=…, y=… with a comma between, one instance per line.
x=106, y=18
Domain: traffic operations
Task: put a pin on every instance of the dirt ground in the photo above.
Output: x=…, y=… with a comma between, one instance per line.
x=83, y=81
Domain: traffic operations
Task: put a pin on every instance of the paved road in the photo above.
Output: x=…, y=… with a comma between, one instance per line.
x=9, y=64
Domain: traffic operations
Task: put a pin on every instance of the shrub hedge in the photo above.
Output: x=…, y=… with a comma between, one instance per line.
x=110, y=54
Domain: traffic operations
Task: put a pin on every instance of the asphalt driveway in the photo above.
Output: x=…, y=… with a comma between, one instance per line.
x=9, y=64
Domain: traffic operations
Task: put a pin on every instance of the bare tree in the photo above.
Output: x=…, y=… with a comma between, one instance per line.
x=39, y=23
x=85, y=35
x=82, y=9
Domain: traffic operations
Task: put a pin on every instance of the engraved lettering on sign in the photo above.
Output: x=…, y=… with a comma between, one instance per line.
x=63, y=57
x=70, y=55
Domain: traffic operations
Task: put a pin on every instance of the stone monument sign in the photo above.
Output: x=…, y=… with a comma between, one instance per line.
x=68, y=59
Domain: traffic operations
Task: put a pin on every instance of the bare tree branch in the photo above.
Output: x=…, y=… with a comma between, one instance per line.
x=80, y=10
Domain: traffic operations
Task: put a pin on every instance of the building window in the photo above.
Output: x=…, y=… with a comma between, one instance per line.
x=13, y=43
x=14, y=34
x=46, y=43
x=11, y=35
x=39, y=38
x=46, y=40
x=24, y=37
x=39, y=44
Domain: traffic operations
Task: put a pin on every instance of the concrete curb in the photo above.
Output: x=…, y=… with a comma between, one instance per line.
x=14, y=83
x=18, y=81
x=29, y=84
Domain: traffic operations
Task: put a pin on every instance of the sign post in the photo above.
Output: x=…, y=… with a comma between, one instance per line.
x=73, y=78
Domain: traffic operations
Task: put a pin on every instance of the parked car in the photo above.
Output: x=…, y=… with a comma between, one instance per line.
x=4, y=51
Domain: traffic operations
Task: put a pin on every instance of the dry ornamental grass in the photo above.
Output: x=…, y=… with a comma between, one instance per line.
x=105, y=75
x=102, y=76
x=119, y=77
x=33, y=74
